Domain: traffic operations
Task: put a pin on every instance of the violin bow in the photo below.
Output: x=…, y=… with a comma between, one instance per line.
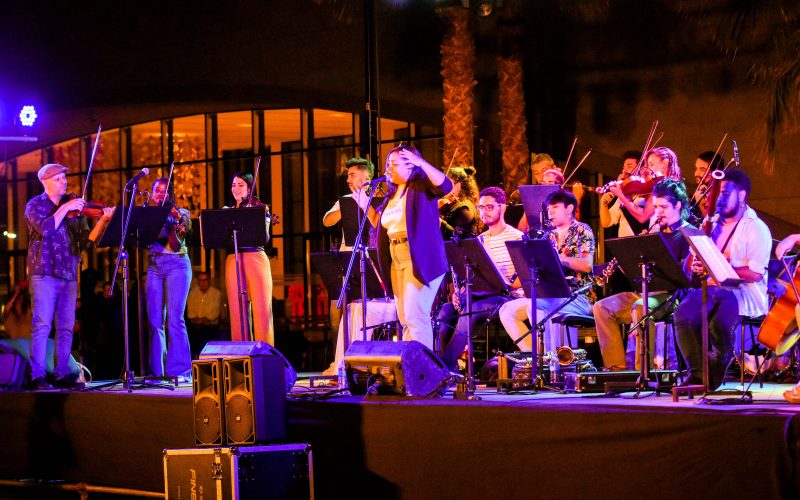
x=647, y=147
x=169, y=179
x=91, y=161
x=707, y=173
x=585, y=156
x=255, y=181
x=569, y=155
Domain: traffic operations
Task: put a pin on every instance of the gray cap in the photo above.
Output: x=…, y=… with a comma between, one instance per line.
x=50, y=170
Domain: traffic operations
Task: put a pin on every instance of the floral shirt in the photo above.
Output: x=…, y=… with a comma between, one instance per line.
x=578, y=242
x=53, y=251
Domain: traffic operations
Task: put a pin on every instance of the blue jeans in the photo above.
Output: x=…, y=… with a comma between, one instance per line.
x=168, y=279
x=723, y=320
x=54, y=301
x=453, y=327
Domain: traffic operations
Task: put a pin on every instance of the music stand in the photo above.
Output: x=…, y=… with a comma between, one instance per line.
x=719, y=269
x=539, y=269
x=227, y=229
x=351, y=214
x=534, y=202
x=468, y=258
x=143, y=226
x=650, y=257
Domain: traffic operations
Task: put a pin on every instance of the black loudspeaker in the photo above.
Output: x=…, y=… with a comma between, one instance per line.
x=221, y=349
x=209, y=408
x=255, y=399
x=395, y=368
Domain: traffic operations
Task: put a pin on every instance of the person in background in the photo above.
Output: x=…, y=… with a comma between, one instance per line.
x=204, y=310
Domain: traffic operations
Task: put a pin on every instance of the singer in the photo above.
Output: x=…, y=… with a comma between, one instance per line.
x=410, y=244
x=671, y=209
x=169, y=274
x=574, y=243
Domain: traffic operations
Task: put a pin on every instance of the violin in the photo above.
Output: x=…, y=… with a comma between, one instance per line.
x=633, y=185
x=92, y=209
x=254, y=201
x=447, y=201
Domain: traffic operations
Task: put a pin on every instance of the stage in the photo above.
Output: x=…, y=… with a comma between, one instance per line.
x=521, y=445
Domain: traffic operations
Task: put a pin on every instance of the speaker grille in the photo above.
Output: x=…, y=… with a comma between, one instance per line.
x=239, y=419
x=207, y=421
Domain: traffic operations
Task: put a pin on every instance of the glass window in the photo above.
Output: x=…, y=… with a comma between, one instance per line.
x=108, y=155
x=67, y=153
x=332, y=123
x=146, y=148
x=392, y=132
x=234, y=133
x=281, y=126
x=189, y=151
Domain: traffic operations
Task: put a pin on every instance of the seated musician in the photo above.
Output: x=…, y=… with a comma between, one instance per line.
x=786, y=245
x=453, y=327
x=671, y=204
x=574, y=243
x=611, y=213
x=359, y=173
x=745, y=241
x=457, y=209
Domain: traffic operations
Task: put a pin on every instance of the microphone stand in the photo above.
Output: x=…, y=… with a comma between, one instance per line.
x=341, y=303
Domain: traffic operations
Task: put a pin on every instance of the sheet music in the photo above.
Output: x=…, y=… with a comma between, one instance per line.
x=716, y=263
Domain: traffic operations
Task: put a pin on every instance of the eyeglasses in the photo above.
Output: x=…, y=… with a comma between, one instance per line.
x=487, y=208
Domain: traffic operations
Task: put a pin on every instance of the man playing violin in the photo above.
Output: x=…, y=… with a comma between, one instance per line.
x=610, y=207
x=54, y=254
x=169, y=274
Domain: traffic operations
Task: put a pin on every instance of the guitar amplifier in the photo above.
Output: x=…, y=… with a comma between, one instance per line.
x=247, y=472
x=596, y=381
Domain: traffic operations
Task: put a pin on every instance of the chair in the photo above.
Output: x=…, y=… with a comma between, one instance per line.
x=751, y=324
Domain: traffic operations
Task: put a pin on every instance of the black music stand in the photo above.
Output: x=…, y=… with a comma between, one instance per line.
x=534, y=201
x=351, y=215
x=332, y=267
x=539, y=269
x=468, y=258
x=141, y=226
x=650, y=258
x=228, y=229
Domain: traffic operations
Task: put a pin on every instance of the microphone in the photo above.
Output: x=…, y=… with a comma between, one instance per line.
x=145, y=171
x=377, y=180
x=736, y=154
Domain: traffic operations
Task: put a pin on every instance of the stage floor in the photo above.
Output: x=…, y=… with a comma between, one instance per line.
x=541, y=444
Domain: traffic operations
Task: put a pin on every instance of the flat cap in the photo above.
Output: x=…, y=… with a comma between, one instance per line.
x=50, y=170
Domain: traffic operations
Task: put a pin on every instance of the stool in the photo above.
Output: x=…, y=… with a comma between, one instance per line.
x=750, y=324
x=576, y=321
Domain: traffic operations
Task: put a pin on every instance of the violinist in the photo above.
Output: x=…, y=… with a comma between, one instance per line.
x=457, y=208
x=610, y=206
x=54, y=254
x=702, y=178
x=745, y=241
x=255, y=272
x=634, y=193
x=169, y=274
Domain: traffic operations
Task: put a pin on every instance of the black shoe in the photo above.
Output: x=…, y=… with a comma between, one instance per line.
x=39, y=384
x=68, y=382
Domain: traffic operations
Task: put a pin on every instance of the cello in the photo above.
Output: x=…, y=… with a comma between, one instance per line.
x=778, y=331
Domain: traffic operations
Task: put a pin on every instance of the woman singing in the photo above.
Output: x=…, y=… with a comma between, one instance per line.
x=256, y=276
x=410, y=244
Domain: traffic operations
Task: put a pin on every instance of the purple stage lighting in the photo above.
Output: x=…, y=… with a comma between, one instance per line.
x=27, y=115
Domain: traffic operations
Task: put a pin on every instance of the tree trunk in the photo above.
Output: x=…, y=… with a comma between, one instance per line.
x=458, y=73
x=513, y=125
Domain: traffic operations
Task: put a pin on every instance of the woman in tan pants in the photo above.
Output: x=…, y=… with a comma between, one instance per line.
x=255, y=274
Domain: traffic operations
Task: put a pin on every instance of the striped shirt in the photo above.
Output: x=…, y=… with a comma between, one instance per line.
x=496, y=248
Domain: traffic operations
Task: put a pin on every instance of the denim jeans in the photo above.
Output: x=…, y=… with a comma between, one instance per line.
x=54, y=301
x=168, y=279
x=453, y=326
x=723, y=319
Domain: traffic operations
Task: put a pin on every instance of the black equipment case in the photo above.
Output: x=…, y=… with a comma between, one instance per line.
x=589, y=381
x=243, y=473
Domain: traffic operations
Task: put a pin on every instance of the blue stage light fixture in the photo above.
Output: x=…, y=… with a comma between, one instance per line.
x=27, y=115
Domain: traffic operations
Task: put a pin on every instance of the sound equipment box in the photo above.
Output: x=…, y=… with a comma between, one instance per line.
x=395, y=368
x=222, y=349
x=588, y=381
x=244, y=473
x=255, y=400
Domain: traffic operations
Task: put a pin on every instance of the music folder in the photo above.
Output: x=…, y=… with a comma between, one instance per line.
x=719, y=269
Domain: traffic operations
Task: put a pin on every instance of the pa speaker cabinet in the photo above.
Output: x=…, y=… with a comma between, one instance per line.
x=208, y=404
x=228, y=349
x=255, y=399
x=245, y=473
x=400, y=368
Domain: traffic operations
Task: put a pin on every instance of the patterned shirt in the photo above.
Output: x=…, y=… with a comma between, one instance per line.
x=53, y=251
x=578, y=241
